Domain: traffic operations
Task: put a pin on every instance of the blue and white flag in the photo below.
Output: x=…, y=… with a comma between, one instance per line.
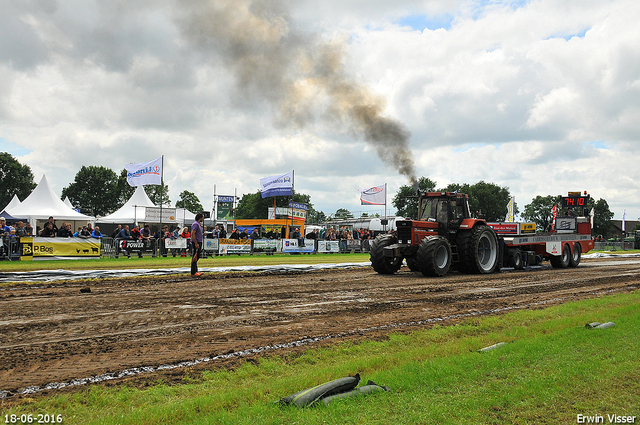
x=144, y=173
x=277, y=185
x=373, y=196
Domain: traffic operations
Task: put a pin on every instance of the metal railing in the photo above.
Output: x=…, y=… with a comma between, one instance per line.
x=612, y=246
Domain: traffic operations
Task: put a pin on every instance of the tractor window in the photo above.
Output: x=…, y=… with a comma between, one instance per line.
x=429, y=207
x=457, y=207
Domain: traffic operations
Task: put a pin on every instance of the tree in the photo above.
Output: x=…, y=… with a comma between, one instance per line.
x=125, y=191
x=15, y=179
x=601, y=218
x=253, y=205
x=406, y=200
x=540, y=211
x=343, y=213
x=190, y=201
x=94, y=190
x=489, y=200
x=159, y=195
x=316, y=217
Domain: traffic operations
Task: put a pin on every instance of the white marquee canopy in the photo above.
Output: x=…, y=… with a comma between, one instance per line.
x=134, y=210
x=43, y=203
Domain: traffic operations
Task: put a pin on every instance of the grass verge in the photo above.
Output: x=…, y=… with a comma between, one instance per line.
x=175, y=262
x=553, y=370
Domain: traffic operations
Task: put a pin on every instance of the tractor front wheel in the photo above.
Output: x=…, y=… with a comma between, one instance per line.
x=380, y=263
x=434, y=256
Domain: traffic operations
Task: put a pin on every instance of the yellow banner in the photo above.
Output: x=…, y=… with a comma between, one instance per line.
x=235, y=241
x=59, y=247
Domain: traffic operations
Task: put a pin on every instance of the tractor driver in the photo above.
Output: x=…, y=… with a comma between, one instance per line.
x=443, y=212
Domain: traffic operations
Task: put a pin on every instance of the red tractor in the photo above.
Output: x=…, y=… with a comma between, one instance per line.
x=444, y=235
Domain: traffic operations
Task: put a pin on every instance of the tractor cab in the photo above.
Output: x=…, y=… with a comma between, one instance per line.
x=448, y=209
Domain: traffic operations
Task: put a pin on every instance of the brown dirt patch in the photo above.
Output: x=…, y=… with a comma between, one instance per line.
x=58, y=333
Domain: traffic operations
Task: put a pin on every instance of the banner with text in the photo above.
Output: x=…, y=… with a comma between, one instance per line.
x=59, y=247
x=144, y=173
x=152, y=215
x=298, y=245
x=225, y=208
x=277, y=185
x=234, y=246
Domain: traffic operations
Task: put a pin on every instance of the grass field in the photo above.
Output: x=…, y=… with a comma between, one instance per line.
x=552, y=370
x=175, y=262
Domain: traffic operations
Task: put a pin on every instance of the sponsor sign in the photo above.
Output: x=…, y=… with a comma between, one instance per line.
x=505, y=228
x=554, y=248
x=298, y=245
x=566, y=225
x=265, y=245
x=328, y=246
x=298, y=210
x=135, y=246
x=178, y=243
x=210, y=244
x=528, y=228
x=224, y=211
x=234, y=246
x=59, y=247
x=152, y=215
x=353, y=245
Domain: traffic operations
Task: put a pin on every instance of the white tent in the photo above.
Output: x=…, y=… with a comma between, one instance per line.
x=132, y=211
x=15, y=201
x=185, y=216
x=43, y=203
x=68, y=203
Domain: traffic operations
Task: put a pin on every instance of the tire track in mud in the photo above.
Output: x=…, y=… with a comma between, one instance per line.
x=55, y=334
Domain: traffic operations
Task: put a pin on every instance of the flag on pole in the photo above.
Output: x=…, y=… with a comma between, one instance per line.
x=144, y=173
x=373, y=196
x=510, y=207
x=277, y=185
x=554, y=210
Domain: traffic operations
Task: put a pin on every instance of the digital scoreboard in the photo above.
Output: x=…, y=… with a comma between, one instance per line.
x=575, y=201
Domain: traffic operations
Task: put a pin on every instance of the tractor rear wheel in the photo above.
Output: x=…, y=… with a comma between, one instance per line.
x=434, y=256
x=562, y=261
x=576, y=255
x=380, y=263
x=478, y=250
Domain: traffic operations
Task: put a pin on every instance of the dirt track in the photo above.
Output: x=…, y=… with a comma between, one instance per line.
x=56, y=333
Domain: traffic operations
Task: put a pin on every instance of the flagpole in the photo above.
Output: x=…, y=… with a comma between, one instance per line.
x=161, y=187
x=385, y=205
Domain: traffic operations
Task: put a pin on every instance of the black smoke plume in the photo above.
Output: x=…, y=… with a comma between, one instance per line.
x=300, y=74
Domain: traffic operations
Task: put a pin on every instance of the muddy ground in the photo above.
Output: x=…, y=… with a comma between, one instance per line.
x=58, y=332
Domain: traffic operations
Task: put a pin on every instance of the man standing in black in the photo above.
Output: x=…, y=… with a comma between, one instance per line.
x=196, y=243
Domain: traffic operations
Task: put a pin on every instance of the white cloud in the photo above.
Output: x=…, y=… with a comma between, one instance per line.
x=514, y=93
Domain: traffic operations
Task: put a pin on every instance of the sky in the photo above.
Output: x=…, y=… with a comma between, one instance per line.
x=542, y=97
